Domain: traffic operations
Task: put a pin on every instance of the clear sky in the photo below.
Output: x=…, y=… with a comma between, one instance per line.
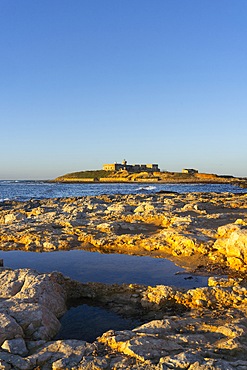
x=87, y=82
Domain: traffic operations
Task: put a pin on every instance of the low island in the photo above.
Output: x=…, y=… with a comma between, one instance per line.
x=146, y=173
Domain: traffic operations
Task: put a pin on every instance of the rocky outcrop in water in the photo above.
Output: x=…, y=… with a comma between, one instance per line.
x=210, y=225
x=203, y=328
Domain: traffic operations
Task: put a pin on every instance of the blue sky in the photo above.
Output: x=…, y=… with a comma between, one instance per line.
x=87, y=82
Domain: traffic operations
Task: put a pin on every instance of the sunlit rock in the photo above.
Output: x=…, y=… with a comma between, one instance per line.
x=182, y=225
x=202, y=328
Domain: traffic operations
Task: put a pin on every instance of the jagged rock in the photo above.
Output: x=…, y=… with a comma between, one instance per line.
x=15, y=346
x=232, y=244
x=9, y=328
x=12, y=217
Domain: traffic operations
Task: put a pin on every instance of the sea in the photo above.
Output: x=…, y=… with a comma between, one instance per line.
x=85, y=320
x=22, y=190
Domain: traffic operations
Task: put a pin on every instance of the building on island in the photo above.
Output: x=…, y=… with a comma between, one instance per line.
x=190, y=171
x=131, y=167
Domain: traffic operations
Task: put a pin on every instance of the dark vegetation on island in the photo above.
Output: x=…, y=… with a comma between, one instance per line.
x=92, y=174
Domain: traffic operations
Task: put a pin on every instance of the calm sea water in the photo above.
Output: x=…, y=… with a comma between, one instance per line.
x=25, y=190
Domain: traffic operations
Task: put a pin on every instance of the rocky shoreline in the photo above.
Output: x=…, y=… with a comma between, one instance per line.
x=202, y=328
x=205, y=230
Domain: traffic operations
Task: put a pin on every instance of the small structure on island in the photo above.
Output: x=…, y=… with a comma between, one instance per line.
x=190, y=171
x=131, y=167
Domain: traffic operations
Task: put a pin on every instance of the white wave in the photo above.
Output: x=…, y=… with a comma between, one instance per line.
x=150, y=187
x=4, y=199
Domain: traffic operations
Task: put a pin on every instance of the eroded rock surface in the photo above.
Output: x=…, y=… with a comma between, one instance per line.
x=203, y=328
x=211, y=225
x=195, y=329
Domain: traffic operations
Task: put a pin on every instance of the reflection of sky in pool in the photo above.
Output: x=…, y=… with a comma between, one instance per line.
x=87, y=322
x=87, y=266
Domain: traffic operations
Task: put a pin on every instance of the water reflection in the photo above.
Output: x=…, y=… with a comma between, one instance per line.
x=87, y=266
x=87, y=322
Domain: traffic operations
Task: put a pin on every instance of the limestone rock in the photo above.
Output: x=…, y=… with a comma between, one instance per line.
x=11, y=283
x=14, y=217
x=232, y=243
x=182, y=341
x=182, y=225
x=9, y=328
x=15, y=346
x=203, y=328
x=4, y=365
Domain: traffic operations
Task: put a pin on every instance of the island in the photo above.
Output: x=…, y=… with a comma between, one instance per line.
x=146, y=173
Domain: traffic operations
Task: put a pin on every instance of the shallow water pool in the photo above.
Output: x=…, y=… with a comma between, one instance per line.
x=112, y=268
x=87, y=321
